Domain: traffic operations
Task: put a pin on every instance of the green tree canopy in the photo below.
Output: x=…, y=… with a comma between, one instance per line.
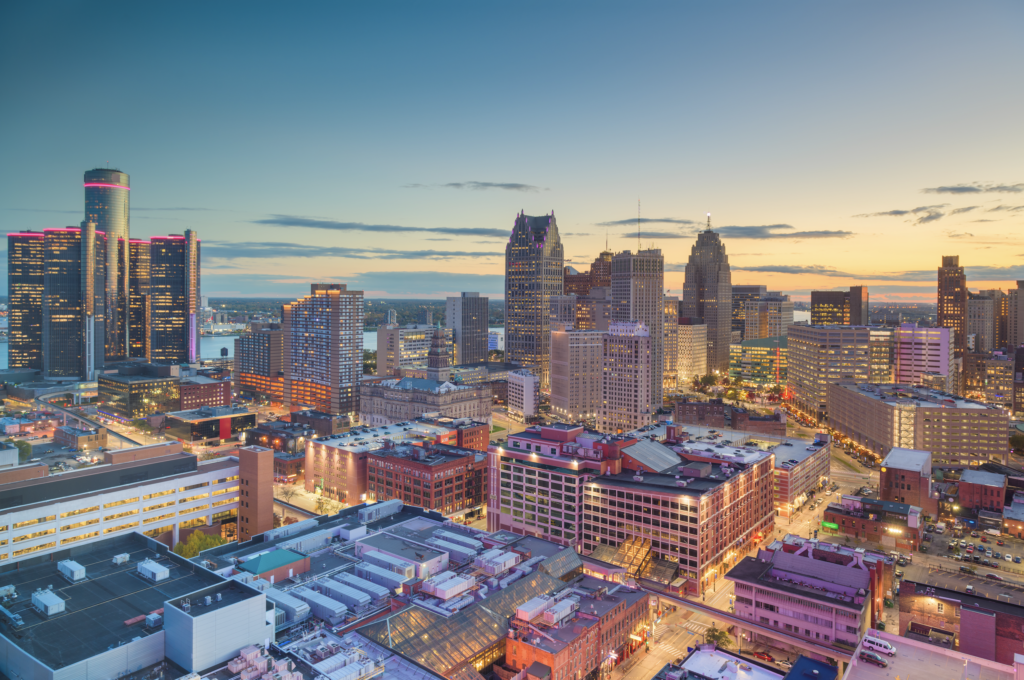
x=196, y=543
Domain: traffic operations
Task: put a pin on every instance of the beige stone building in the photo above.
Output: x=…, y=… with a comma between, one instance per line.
x=693, y=352
x=670, y=344
x=576, y=361
x=626, y=378
x=959, y=432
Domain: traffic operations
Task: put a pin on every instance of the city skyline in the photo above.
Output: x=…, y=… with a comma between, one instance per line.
x=371, y=170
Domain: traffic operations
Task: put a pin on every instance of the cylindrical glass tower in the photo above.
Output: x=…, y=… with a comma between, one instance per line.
x=107, y=204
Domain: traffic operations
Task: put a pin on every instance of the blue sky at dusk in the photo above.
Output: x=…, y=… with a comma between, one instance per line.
x=390, y=145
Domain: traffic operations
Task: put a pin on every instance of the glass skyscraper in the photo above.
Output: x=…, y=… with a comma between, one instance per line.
x=174, y=298
x=107, y=204
x=138, y=298
x=25, y=304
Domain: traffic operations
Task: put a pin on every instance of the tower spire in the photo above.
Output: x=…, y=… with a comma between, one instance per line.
x=638, y=225
x=709, y=222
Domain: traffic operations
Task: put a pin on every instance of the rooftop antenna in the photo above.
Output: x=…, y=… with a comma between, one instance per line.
x=709, y=222
x=638, y=226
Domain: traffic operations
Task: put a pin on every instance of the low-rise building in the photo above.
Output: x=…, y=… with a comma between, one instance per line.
x=138, y=390
x=469, y=434
x=395, y=401
x=523, y=395
x=802, y=469
x=201, y=390
x=448, y=479
x=906, y=477
x=209, y=425
x=980, y=490
x=80, y=439
x=288, y=466
x=324, y=424
x=279, y=436
x=891, y=524
x=759, y=362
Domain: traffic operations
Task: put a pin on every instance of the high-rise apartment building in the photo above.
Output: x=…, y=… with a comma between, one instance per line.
x=626, y=377
x=139, y=312
x=466, y=316
x=952, y=302
x=73, y=302
x=533, y=273
x=594, y=310
x=25, y=303
x=323, y=349
x=1015, y=316
x=670, y=344
x=174, y=299
x=693, y=351
x=918, y=351
x=638, y=297
x=821, y=355
x=402, y=346
x=707, y=294
x=840, y=307
x=740, y=296
x=576, y=369
x=1000, y=312
x=981, y=323
x=392, y=317
x=108, y=205
x=259, y=362
x=768, y=317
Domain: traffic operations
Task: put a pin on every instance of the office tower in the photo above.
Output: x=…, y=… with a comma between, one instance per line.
x=107, y=204
x=760, y=362
x=740, y=295
x=840, y=307
x=638, y=283
x=576, y=366
x=466, y=316
x=1015, y=316
x=768, y=317
x=627, y=360
x=563, y=311
x=73, y=293
x=670, y=343
x=402, y=346
x=439, y=362
x=138, y=298
x=174, y=299
x=693, y=351
x=594, y=310
x=1017, y=401
x=523, y=394
x=428, y=317
x=580, y=283
x=533, y=273
x=952, y=302
x=323, y=349
x=707, y=294
x=981, y=321
x=1000, y=311
x=821, y=355
x=575, y=282
x=392, y=317
x=259, y=362
x=922, y=350
x=25, y=303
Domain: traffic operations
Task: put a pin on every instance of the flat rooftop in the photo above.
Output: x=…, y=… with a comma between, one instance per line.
x=914, y=658
x=196, y=415
x=909, y=459
x=921, y=397
x=403, y=549
x=832, y=584
x=419, y=454
x=96, y=609
x=718, y=665
x=983, y=478
x=365, y=439
x=666, y=482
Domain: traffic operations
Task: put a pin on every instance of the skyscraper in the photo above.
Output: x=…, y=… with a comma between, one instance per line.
x=843, y=307
x=670, y=343
x=1000, y=312
x=533, y=273
x=107, y=203
x=25, y=304
x=174, y=298
x=981, y=322
x=952, y=302
x=769, y=317
x=638, y=296
x=740, y=295
x=73, y=319
x=466, y=316
x=323, y=349
x=922, y=350
x=625, y=377
x=138, y=298
x=707, y=294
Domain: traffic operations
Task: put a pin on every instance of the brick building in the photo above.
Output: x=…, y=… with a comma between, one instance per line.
x=80, y=439
x=703, y=413
x=891, y=524
x=445, y=478
x=200, y=390
x=469, y=434
x=288, y=466
x=324, y=424
x=974, y=624
x=717, y=414
x=255, y=491
x=980, y=490
x=906, y=477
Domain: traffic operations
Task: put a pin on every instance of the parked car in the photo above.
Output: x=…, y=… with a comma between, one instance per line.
x=994, y=577
x=924, y=548
x=985, y=563
x=764, y=656
x=994, y=565
x=995, y=554
x=1016, y=559
x=974, y=534
x=983, y=539
x=1000, y=542
x=871, y=657
x=899, y=573
x=784, y=663
x=969, y=590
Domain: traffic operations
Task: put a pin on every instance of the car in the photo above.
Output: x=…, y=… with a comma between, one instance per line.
x=985, y=563
x=966, y=570
x=871, y=657
x=1000, y=542
x=931, y=527
x=899, y=573
x=988, y=553
x=995, y=554
x=969, y=590
x=976, y=558
x=1016, y=559
x=901, y=562
x=984, y=540
x=924, y=548
x=828, y=493
x=974, y=534
x=963, y=543
x=994, y=565
x=784, y=663
x=764, y=656
x=994, y=577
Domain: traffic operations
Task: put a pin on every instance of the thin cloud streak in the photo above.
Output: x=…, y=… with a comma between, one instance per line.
x=479, y=186
x=976, y=188
x=274, y=250
x=645, y=220
x=779, y=231
x=332, y=225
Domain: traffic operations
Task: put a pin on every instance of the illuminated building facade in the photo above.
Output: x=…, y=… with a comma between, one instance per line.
x=534, y=259
x=138, y=298
x=576, y=374
x=25, y=303
x=174, y=298
x=707, y=295
x=466, y=316
x=401, y=346
x=626, y=376
x=952, y=302
x=840, y=307
x=670, y=343
x=740, y=295
x=323, y=349
x=760, y=362
x=108, y=204
x=259, y=362
x=638, y=297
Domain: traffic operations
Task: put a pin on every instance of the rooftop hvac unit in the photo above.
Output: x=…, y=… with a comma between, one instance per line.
x=123, y=558
x=207, y=601
x=153, y=571
x=72, y=571
x=153, y=620
x=47, y=602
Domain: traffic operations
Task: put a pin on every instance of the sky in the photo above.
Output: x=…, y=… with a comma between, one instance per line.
x=390, y=145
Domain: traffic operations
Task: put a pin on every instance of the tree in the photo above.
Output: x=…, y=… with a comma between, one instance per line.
x=718, y=637
x=287, y=493
x=326, y=506
x=24, y=449
x=196, y=543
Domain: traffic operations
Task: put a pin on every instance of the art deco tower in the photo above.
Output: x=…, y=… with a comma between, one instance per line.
x=533, y=273
x=107, y=205
x=707, y=293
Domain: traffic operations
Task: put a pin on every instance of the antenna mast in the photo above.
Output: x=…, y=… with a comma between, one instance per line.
x=638, y=226
x=709, y=222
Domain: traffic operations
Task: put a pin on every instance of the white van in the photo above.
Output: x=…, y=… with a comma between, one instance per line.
x=880, y=646
x=940, y=528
